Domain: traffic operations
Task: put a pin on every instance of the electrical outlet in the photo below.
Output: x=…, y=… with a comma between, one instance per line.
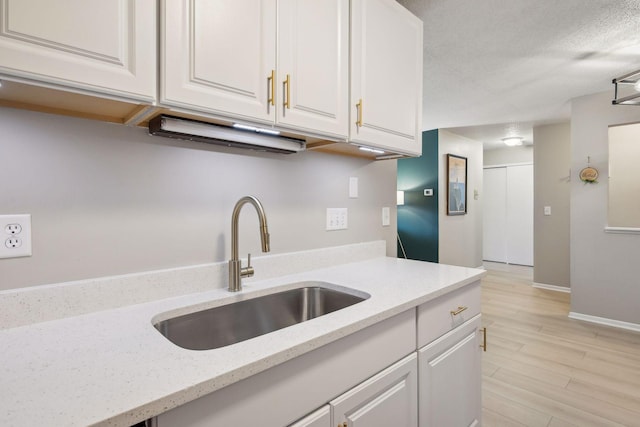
x=13, y=229
x=13, y=242
x=15, y=233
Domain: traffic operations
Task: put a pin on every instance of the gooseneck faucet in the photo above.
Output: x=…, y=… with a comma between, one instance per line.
x=236, y=272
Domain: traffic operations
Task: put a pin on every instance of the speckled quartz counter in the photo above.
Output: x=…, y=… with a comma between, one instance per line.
x=113, y=367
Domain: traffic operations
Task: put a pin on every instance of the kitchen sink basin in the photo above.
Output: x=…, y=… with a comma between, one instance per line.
x=239, y=321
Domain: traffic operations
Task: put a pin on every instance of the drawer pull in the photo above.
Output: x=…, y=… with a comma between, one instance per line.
x=483, y=346
x=458, y=311
x=359, y=109
x=287, y=84
x=272, y=79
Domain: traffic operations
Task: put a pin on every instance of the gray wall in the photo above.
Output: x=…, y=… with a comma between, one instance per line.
x=107, y=199
x=604, y=266
x=552, y=160
x=508, y=155
x=461, y=236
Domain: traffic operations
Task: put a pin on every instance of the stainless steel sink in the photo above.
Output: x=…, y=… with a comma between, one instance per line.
x=229, y=324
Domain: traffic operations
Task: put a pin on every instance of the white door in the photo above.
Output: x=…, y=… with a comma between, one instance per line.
x=106, y=47
x=313, y=66
x=388, y=399
x=218, y=56
x=520, y=214
x=450, y=379
x=508, y=214
x=386, y=76
x=494, y=215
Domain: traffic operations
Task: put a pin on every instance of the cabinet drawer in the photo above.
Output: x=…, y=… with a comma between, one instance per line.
x=436, y=318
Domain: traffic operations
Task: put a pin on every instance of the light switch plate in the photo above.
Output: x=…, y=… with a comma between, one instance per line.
x=337, y=219
x=353, y=187
x=547, y=210
x=386, y=216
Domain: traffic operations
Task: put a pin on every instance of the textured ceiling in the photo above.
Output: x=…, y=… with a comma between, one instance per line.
x=496, y=65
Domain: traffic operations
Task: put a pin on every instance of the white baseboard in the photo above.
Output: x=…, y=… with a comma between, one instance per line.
x=604, y=321
x=552, y=287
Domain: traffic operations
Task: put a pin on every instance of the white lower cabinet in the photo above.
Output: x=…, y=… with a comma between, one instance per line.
x=390, y=398
x=319, y=418
x=421, y=368
x=450, y=378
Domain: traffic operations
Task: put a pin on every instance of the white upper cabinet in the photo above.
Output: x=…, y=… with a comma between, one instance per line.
x=313, y=66
x=272, y=62
x=386, y=77
x=96, y=46
x=218, y=56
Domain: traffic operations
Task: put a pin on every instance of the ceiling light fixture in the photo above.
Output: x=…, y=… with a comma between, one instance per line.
x=513, y=141
x=631, y=79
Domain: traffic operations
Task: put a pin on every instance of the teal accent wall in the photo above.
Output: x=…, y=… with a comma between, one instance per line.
x=418, y=217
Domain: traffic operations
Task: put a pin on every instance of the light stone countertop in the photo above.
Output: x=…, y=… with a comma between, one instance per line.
x=113, y=367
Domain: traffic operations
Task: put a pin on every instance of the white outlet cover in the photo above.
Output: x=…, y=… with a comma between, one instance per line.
x=15, y=236
x=386, y=216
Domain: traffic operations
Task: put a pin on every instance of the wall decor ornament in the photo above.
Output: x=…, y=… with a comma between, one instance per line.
x=589, y=175
x=456, y=185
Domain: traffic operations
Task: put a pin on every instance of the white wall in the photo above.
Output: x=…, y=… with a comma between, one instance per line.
x=461, y=235
x=604, y=266
x=107, y=199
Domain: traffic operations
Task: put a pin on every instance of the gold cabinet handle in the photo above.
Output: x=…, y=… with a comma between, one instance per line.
x=287, y=84
x=483, y=346
x=271, y=99
x=359, y=108
x=458, y=311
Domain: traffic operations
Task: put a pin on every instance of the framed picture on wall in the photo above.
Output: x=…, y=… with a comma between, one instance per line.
x=456, y=185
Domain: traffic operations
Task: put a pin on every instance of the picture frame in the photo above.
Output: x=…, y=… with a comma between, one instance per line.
x=456, y=185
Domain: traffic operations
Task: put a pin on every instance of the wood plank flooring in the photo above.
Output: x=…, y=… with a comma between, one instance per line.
x=544, y=369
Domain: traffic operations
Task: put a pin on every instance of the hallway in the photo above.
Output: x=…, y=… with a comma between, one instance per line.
x=544, y=369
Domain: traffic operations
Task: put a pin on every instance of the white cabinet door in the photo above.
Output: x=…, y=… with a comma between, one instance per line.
x=217, y=56
x=387, y=399
x=105, y=47
x=450, y=378
x=386, y=76
x=313, y=66
x=319, y=418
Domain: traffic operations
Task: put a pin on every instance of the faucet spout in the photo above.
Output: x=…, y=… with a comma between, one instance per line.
x=236, y=272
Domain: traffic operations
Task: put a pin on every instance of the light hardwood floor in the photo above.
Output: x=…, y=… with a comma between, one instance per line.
x=544, y=369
